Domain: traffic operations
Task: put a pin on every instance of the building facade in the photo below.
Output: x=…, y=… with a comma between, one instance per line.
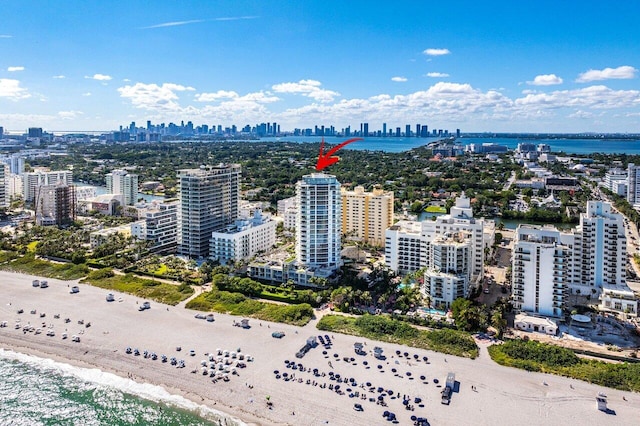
x=539, y=270
x=367, y=215
x=448, y=271
x=33, y=180
x=243, y=239
x=209, y=198
x=318, y=224
x=55, y=204
x=161, y=226
x=122, y=182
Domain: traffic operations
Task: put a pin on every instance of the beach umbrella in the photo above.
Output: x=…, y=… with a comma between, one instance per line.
x=385, y=414
x=276, y=372
x=413, y=418
x=394, y=370
x=422, y=377
x=324, y=352
x=365, y=363
x=436, y=381
x=397, y=352
x=368, y=384
x=285, y=374
x=335, y=355
x=418, y=400
x=406, y=354
x=405, y=402
x=380, y=397
x=425, y=359
x=415, y=356
x=408, y=373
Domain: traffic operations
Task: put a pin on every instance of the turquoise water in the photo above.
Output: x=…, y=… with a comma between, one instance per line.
x=430, y=311
x=569, y=146
x=35, y=391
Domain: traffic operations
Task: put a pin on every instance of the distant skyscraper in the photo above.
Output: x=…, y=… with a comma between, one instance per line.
x=458, y=133
x=384, y=129
x=366, y=130
x=34, y=132
x=418, y=130
x=209, y=199
x=4, y=172
x=121, y=182
x=407, y=131
x=318, y=225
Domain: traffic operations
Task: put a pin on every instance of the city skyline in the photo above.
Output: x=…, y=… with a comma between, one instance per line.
x=561, y=67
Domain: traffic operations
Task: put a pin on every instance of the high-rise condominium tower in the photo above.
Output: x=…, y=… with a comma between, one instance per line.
x=121, y=182
x=208, y=202
x=318, y=224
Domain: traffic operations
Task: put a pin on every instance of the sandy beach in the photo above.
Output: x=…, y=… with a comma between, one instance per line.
x=501, y=396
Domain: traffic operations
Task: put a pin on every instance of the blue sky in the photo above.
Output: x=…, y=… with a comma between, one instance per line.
x=530, y=66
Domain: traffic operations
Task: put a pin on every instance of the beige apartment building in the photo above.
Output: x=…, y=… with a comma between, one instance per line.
x=367, y=215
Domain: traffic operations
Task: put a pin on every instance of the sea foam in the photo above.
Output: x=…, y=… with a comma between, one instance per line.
x=146, y=391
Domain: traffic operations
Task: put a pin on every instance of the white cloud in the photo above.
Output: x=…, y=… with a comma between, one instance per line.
x=69, y=115
x=126, y=80
x=309, y=88
x=399, y=79
x=10, y=89
x=623, y=72
x=59, y=77
x=153, y=96
x=545, y=80
x=596, y=97
x=216, y=96
x=436, y=52
x=582, y=114
x=437, y=74
x=5, y=36
x=99, y=77
x=86, y=94
x=14, y=69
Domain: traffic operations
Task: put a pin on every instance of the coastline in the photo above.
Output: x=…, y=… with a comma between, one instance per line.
x=501, y=393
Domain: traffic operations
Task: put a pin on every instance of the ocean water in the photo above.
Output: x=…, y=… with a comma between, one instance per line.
x=36, y=391
x=569, y=146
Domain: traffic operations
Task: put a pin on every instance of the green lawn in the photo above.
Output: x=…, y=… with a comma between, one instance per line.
x=169, y=294
x=239, y=304
x=389, y=330
x=28, y=264
x=536, y=356
x=435, y=209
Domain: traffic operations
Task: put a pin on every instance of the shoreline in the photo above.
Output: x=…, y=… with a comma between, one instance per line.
x=500, y=392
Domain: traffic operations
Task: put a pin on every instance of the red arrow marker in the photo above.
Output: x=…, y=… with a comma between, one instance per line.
x=327, y=160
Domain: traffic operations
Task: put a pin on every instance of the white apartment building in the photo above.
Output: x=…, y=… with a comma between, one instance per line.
x=318, y=225
x=448, y=269
x=615, y=180
x=539, y=270
x=367, y=215
x=633, y=184
x=209, y=198
x=288, y=211
x=604, y=247
x=405, y=251
x=33, y=180
x=161, y=225
x=243, y=239
x=4, y=192
x=15, y=162
x=122, y=182
x=549, y=264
